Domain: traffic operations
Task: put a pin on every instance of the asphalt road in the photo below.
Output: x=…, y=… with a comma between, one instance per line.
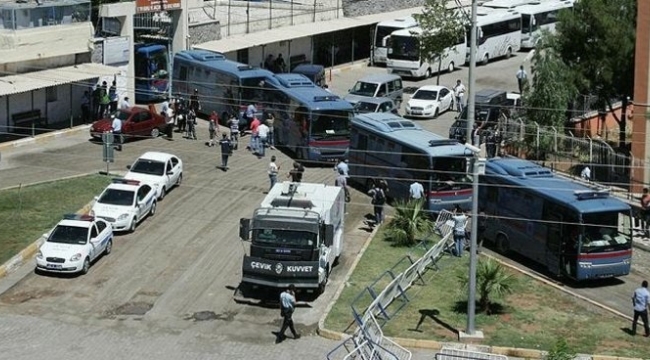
x=141, y=301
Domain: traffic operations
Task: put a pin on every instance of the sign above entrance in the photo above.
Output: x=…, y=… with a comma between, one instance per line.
x=143, y=6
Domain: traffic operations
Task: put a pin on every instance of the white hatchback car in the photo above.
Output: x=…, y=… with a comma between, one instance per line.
x=74, y=243
x=161, y=170
x=125, y=203
x=429, y=101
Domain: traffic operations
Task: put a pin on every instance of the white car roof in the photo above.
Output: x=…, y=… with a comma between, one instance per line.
x=156, y=155
x=75, y=223
x=431, y=87
x=119, y=186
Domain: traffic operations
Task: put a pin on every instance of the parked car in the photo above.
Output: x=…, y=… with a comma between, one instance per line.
x=136, y=123
x=125, y=203
x=377, y=85
x=315, y=73
x=158, y=169
x=429, y=101
x=372, y=105
x=74, y=243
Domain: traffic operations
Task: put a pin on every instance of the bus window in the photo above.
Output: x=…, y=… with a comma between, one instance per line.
x=449, y=172
x=602, y=233
x=252, y=89
x=183, y=73
x=417, y=164
x=330, y=123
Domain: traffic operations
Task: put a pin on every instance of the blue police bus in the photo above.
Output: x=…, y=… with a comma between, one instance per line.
x=575, y=231
x=151, y=72
x=224, y=86
x=388, y=147
x=310, y=121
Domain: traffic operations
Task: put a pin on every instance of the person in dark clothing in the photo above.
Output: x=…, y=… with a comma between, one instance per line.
x=95, y=102
x=195, y=103
x=226, y=151
x=280, y=65
x=296, y=173
x=287, y=307
x=113, y=97
x=85, y=107
x=491, y=144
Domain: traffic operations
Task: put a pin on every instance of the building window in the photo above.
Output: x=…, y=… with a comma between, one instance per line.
x=51, y=94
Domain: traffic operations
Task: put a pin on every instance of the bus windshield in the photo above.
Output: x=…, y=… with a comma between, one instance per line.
x=382, y=32
x=404, y=48
x=252, y=89
x=329, y=124
x=284, y=237
x=603, y=232
x=525, y=24
x=450, y=173
x=153, y=66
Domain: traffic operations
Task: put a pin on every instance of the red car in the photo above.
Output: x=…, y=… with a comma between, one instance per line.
x=136, y=123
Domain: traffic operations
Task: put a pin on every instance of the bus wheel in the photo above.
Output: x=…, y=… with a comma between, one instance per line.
x=451, y=67
x=503, y=245
x=485, y=60
x=508, y=53
x=427, y=74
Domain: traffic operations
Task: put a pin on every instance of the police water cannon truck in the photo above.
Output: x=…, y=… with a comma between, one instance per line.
x=296, y=237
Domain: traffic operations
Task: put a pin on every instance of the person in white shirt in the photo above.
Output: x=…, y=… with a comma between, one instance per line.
x=521, y=78
x=586, y=173
x=342, y=166
x=416, y=191
x=460, y=220
x=273, y=172
x=459, y=92
x=169, y=121
x=641, y=302
x=287, y=307
x=124, y=104
x=116, y=126
x=263, y=133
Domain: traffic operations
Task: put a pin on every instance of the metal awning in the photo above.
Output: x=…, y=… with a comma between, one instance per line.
x=244, y=41
x=14, y=84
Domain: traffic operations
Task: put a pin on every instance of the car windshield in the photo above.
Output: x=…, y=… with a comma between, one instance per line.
x=425, y=95
x=365, y=107
x=148, y=167
x=364, y=89
x=606, y=231
x=69, y=235
x=330, y=124
x=450, y=173
x=284, y=237
x=117, y=197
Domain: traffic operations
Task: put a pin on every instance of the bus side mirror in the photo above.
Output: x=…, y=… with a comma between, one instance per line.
x=329, y=235
x=244, y=228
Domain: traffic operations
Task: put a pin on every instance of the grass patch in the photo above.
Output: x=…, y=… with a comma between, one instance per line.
x=28, y=212
x=535, y=316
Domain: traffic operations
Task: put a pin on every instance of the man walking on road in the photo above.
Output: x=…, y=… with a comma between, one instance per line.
x=416, y=191
x=459, y=93
x=287, y=307
x=641, y=302
x=521, y=79
x=117, y=132
x=273, y=172
x=226, y=151
x=460, y=220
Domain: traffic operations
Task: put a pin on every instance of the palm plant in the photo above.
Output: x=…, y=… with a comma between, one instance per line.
x=492, y=281
x=409, y=221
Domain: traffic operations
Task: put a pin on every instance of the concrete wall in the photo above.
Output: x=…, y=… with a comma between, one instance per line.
x=204, y=32
x=38, y=64
x=45, y=42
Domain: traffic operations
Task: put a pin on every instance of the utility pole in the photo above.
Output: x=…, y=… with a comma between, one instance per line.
x=471, y=299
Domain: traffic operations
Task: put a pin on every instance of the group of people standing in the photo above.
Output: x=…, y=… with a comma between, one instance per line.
x=182, y=113
x=101, y=102
x=275, y=64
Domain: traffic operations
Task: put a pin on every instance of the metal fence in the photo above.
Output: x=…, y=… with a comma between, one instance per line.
x=368, y=341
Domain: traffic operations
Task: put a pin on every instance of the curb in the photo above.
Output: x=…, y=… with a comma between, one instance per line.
x=41, y=138
x=335, y=335
x=28, y=252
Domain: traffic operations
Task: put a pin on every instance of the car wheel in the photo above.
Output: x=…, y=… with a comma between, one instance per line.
x=134, y=224
x=155, y=132
x=152, y=211
x=435, y=114
x=451, y=67
x=86, y=267
x=485, y=60
x=503, y=245
x=180, y=179
x=427, y=74
x=508, y=53
x=163, y=192
x=109, y=247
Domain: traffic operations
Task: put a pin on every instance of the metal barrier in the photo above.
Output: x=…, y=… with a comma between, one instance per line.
x=368, y=341
x=447, y=353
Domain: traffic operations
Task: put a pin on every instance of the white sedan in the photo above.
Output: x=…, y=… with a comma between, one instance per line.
x=429, y=101
x=74, y=244
x=125, y=203
x=161, y=170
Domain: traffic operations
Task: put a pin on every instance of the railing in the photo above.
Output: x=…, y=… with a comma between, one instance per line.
x=368, y=341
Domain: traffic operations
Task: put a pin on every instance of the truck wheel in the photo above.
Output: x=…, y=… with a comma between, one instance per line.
x=503, y=246
x=322, y=285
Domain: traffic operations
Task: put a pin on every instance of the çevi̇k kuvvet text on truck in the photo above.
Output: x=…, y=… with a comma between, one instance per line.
x=296, y=237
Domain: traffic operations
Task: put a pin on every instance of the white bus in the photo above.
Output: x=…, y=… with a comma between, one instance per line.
x=382, y=33
x=537, y=18
x=404, y=56
x=499, y=34
x=507, y=4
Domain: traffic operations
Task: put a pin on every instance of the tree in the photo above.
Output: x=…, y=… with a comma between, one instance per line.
x=596, y=41
x=409, y=221
x=441, y=27
x=492, y=281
